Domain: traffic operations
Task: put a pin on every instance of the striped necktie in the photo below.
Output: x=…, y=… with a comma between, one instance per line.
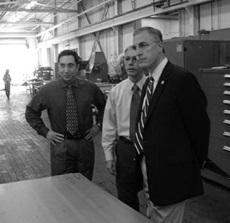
x=71, y=112
x=135, y=101
x=138, y=141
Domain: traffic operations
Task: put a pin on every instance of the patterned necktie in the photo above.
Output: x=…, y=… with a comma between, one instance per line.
x=135, y=101
x=138, y=141
x=71, y=112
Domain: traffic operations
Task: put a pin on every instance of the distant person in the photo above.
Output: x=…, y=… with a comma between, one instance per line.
x=68, y=101
x=7, y=81
x=118, y=132
x=172, y=134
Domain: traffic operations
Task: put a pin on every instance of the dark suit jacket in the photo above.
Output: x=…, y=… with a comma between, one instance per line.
x=176, y=137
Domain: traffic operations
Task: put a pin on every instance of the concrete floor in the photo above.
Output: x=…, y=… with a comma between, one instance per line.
x=25, y=155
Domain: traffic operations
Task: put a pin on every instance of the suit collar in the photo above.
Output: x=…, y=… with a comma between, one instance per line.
x=165, y=73
x=160, y=87
x=156, y=74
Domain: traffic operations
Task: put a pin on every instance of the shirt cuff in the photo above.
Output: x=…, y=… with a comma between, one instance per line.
x=44, y=131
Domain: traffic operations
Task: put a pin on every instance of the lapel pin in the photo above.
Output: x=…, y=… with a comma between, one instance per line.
x=162, y=82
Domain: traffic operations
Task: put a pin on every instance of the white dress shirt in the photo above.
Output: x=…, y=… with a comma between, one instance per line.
x=158, y=71
x=156, y=76
x=116, y=119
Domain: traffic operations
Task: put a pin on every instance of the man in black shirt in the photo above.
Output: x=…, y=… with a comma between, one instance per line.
x=72, y=150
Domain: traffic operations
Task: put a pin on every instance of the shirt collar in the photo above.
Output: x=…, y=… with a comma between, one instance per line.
x=63, y=84
x=159, y=69
x=140, y=83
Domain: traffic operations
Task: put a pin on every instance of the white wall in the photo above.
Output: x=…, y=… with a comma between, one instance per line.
x=168, y=27
x=209, y=16
x=127, y=37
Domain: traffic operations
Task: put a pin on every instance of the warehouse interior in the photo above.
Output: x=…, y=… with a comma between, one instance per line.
x=44, y=28
x=196, y=36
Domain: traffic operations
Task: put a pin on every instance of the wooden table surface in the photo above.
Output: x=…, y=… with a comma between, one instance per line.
x=67, y=198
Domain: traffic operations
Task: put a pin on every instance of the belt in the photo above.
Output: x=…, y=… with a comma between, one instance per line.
x=74, y=137
x=125, y=140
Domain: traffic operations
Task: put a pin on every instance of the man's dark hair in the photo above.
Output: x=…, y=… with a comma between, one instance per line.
x=70, y=53
x=150, y=30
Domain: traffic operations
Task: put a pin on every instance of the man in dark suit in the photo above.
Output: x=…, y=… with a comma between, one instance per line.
x=173, y=136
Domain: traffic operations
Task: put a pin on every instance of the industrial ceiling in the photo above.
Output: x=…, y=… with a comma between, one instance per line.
x=28, y=18
x=24, y=18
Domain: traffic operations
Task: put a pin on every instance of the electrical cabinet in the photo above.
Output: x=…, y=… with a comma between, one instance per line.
x=197, y=54
x=216, y=85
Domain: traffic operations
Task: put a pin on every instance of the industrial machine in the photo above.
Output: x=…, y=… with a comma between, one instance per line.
x=194, y=54
x=97, y=69
x=199, y=57
x=42, y=75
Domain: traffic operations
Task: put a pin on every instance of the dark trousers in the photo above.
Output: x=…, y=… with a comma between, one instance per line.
x=7, y=89
x=129, y=179
x=73, y=156
x=7, y=94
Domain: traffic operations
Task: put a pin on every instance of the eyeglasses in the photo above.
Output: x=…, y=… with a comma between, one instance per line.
x=128, y=58
x=69, y=65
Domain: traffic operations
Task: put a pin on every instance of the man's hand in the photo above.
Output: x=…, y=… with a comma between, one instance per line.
x=111, y=167
x=91, y=133
x=54, y=137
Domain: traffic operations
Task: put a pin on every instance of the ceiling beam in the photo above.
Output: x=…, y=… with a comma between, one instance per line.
x=38, y=10
x=13, y=41
x=26, y=23
x=7, y=35
x=74, y=17
x=131, y=16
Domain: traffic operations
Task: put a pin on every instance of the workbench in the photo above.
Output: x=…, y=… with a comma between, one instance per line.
x=69, y=198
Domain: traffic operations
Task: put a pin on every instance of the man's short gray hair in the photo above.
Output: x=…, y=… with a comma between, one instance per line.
x=132, y=47
x=154, y=32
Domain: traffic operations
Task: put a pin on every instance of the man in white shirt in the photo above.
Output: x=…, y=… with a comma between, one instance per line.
x=120, y=153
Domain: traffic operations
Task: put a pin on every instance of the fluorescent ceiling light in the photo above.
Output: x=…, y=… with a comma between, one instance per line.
x=31, y=4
